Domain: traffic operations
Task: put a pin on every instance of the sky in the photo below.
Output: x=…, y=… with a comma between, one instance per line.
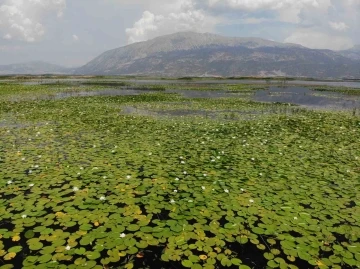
x=73, y=32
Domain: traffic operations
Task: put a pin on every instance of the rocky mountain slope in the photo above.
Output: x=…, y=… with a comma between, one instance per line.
x=194, y=54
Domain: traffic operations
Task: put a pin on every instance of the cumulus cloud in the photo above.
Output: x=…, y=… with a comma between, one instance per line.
x=22, y=19
x=320, y=40
x=75, y=38
x=184, y=17
x=339, y=26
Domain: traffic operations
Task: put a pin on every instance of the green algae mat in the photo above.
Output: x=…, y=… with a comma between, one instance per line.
x=83, y=185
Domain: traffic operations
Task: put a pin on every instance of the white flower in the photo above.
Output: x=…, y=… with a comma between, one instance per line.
x=177, y=179
x=251, y=200
x=128, y=177
x=36, y=166
x=181, y=157
x=213, y=160
x=30, y=171
x=175, y=190
x=9, y=182
x=226, y=190
x=218, y=157
x=122, y=235
x=113, y=151
x=295, y=218
x=68, y=247
x=23, y=159
x=102, y=198
x=190, y=201
x=253, y=159
x=242, y=189
x=260, y=174
x=104, y=177
x=75, y=189
x=172, y=201
x=203, y=187
x=182, y=162
x=185, y=172
x=204, y=175
x=23, y=216
x=150, y=153
x=31, y=185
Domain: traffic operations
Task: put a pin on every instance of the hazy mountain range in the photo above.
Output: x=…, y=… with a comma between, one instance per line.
x=194, y=54
x=36, y=67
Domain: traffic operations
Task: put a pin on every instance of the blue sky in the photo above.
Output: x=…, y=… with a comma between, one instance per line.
x=72, y=33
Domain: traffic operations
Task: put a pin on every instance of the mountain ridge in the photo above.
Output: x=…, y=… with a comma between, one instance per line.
x=34, y=68
x=194, y=54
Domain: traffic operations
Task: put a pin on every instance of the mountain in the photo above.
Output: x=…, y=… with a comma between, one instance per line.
x=33, y=68
x=353, y=53
x=195, y=54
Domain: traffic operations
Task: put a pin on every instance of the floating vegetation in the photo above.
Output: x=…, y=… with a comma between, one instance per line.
x=343, y=90
x=84, y=186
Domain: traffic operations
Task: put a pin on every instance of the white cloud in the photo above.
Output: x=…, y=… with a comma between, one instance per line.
x=75, y=38
x=339, y=26
x=184, y=16
x=22, y=19
x=319, y=40
x=264, y=4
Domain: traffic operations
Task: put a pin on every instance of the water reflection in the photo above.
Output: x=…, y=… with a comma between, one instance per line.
x=306, y=97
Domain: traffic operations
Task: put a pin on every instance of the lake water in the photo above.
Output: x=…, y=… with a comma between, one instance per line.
x=351, y=84
x=295, y=95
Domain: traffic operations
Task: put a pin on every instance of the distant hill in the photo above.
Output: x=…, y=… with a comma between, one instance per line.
x=195, y=54
x=353, y=53
x=33, y=68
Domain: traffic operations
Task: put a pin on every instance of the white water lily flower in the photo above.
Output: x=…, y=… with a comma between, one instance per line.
x=122, y=235
x=184, y=172
x=23, y=159
x=9, y=182
x=128, y=177
x=251, y=200
x=104, y=177
x=24, y=216
x=177, y=179
x=102, y=198
x=203, y=187
x=172, y=201
x=242, y=189
x=204, y=175
x=190, y=201
x=30, y=171
x=260, y=174
x=68, y=247
x=226, y=190
x=218, y=157
x=253, y=159
x=295, y=218
x=182, y=162
x=175, y=191
x=31, y=185
x=75, y=189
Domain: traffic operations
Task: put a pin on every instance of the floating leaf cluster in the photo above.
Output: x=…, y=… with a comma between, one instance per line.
x=84, y=186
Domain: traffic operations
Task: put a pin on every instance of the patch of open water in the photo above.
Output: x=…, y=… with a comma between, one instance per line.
x=301, y=96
